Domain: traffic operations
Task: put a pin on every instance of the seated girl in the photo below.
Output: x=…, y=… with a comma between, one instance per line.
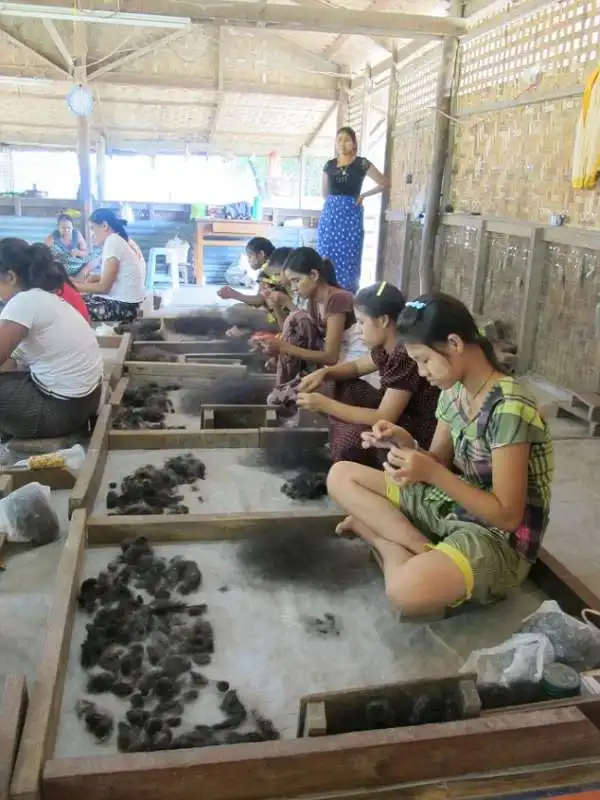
x=465, y=519
x=312, y=337
x=59, y=391
x=68, y=246
x=118, y=292
x=249, y=311
x=356, y=405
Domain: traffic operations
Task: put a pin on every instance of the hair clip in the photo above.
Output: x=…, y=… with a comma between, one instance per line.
x=381, y=288
x=418, y=304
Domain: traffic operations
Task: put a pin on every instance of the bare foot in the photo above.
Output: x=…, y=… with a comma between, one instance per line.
x=346, y=528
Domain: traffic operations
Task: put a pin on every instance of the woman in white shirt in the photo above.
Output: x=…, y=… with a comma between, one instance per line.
x=117, y=293
x=57, y=390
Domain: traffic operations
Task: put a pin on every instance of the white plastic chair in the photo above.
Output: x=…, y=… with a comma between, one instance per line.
x=167, y=275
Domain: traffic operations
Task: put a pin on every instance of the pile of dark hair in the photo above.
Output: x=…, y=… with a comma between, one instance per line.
x=200, y=324
x=142, y=330
x=147, y=653
x=306, y=485
x=153, y=490
x=145, y=407
x=151, y=353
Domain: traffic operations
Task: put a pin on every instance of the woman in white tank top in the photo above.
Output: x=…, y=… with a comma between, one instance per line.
x=117, y=294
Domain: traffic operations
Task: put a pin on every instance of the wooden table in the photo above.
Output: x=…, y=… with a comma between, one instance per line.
x=223, y=233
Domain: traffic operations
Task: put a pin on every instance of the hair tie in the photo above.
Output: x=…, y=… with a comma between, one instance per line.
x=381, y=288
x=418, y=304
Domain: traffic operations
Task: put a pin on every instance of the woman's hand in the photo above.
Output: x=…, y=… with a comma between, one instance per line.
x=312, y=382
x=381, y=433
x=406, y=466
x=359, y=200
x=227, y=293
x=271, y=345
x=315, y=401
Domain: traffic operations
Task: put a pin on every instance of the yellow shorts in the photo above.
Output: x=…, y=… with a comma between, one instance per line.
x=490, y=566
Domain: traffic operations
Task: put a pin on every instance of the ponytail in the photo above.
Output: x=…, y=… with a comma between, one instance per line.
x=432, y=318
x=104, y=216
x=328, y=273
x=33, y=264
x=305, y=260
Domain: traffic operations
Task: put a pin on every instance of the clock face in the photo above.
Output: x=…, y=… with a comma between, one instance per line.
x=80, y=101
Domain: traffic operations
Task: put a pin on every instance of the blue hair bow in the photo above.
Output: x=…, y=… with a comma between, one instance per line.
x=418, y=304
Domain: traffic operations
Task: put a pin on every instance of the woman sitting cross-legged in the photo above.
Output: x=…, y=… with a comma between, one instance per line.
x=465, y=519
x=68, y=245
x=118, y=292
x=58, y=391
x=356, y=405
x=312, y=337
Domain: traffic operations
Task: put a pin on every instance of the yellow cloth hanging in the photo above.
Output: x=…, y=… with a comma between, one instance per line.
x=586, y=153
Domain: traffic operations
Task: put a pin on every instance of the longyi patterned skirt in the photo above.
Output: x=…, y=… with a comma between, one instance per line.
x=340, y=238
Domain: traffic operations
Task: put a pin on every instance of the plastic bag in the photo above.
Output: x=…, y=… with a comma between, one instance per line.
x=521, y=658
x=27, y=516
x=6, y=456
x=575, y=642
x=72, y=459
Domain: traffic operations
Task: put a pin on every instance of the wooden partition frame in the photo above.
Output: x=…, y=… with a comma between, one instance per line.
x=104, y=439
x=325, y=767
x=13, y=707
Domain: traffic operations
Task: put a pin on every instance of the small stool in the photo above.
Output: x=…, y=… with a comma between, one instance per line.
x=170, y=275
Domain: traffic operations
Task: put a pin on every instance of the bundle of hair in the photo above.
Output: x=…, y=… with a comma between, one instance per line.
x=142, y=330
x=151, y=353
x=145, y=651
x=200, y=323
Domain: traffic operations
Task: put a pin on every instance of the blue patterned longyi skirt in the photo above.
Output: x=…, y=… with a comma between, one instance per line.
x=340, y=238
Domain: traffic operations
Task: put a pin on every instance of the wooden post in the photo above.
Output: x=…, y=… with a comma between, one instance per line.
x=85, y=185
x=366, y=106
x=443, y=105
x=406, y=257
x=301, y=174
x=342, y=110
x=83, y=133
x=529, y=311
x=482, y=249
x=388, y=164
x=101, y=170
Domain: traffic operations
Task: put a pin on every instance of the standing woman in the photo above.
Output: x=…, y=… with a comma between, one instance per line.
x=341, y=230
x=118, y=292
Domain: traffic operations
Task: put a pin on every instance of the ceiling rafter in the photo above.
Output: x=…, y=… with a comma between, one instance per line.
x=138, y=53
x=322, y=124
x=59, y=43
x=26, y=74
x=299, y=18
x=340, y=41
x=55, y=68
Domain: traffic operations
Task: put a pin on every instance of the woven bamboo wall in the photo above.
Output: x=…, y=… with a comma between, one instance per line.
x=566, y=345
x=516, y=161
x=457, y=261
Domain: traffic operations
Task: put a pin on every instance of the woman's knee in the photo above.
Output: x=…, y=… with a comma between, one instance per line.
x=426, y=583
x=340, y=477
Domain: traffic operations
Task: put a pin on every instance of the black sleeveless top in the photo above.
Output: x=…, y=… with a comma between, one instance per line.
x=347, y=180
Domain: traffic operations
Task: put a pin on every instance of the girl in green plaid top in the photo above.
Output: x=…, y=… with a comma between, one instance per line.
x=464, y=520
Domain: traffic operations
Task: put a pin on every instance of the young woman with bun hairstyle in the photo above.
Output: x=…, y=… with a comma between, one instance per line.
x=465, y=519
x=118, y=292
x=313, y=336
x=58, y=389
x=249, y=313
x=354, y=405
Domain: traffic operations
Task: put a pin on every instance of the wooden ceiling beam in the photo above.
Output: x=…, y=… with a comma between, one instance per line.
x=59, y=43
x=340, y=41
x=138, y=53
x=300, y=18
x=141, y=80
x=317, y=131
x=55, y=69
